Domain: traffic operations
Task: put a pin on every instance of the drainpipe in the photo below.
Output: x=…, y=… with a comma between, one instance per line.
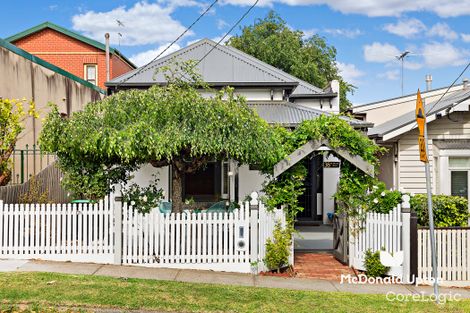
x=106, y=36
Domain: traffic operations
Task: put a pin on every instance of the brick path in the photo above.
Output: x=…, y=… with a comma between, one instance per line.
x=320, y=265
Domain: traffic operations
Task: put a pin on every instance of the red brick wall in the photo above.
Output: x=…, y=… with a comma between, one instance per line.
x=70, y=54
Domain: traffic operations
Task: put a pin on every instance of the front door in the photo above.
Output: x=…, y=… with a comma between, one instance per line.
x=311, y=199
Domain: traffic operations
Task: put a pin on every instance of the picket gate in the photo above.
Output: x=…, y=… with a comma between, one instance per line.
x=377, y=232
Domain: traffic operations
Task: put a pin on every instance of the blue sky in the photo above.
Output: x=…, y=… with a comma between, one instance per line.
x=366, y=33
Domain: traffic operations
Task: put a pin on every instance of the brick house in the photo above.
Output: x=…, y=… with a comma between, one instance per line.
x=77, y=54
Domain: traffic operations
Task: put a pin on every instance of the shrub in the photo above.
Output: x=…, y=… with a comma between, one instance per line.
x=34, y=194
x=448, y=210
x=381, y=200
x=278, y=248
x=374, y=268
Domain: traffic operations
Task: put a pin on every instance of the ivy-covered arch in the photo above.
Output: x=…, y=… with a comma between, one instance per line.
x=358, y=187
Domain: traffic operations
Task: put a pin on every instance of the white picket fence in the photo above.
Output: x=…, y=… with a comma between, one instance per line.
x=215, y=241
x=57, y=232
x=113, y=232
x=453, y=255
x=378, y=232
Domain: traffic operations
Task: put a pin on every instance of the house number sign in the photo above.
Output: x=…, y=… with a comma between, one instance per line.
x=330, y=164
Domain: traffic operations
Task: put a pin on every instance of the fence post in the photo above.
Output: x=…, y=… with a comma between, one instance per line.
x=414, y=246
x=116, y=201
x=254, y=228
x=406, y=235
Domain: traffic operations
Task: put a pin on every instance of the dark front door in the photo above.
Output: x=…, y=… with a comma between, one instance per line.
x=313, y=186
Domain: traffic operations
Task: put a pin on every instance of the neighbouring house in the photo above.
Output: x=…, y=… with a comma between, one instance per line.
x=75, y=53
x=23, y=75
x=278, y=97
x=448, y=139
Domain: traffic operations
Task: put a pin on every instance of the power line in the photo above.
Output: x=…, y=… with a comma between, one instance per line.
x=448, y=88
x=171, y=44
x=426, y=112
x=229, y=31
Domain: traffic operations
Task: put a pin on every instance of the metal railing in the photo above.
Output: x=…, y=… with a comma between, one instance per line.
x=28, y=162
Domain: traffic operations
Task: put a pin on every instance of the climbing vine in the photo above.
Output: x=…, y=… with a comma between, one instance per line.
x=357, y=191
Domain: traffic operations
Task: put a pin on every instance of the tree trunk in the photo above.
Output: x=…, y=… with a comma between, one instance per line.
x=177, y=190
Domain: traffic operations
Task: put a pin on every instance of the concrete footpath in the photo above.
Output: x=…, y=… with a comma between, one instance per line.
x=210, y=277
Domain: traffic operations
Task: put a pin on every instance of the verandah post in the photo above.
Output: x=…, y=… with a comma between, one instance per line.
x=116, y=203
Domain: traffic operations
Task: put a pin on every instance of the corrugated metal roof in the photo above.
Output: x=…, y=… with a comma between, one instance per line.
x=225, y=65
x=290, y=114
x=409, y=117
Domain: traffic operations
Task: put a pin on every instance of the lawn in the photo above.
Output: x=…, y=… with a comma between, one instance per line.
x=46, y=289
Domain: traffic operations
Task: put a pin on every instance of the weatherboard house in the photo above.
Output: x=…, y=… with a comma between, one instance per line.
x=448, y=121
x=277, y=97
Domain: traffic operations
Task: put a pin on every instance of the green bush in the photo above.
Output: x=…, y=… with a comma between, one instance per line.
x=278, y=248
x=448, y=210
x=374, y=268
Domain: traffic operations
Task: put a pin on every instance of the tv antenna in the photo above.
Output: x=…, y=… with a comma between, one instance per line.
x=401, y=58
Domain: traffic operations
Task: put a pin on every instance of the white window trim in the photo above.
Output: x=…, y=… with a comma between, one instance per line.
x=445, y=169
x=85, y=72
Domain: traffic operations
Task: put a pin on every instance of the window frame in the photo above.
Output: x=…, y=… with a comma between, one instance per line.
x=85, y=72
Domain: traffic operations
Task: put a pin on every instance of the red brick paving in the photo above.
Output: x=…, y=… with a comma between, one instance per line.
x=319, y=266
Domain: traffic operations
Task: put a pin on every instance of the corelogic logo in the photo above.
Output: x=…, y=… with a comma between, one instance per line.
x=390, y=260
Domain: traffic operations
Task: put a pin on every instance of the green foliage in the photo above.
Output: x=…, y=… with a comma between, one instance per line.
x=34, y=194
x=448, y=210
x=311, y=59
x=374, y=268
x=172, y=124
x=143, y=199
x=278, y=248
x=381, y=200
x=285, y=191
x=12, y=117
x=354, y=186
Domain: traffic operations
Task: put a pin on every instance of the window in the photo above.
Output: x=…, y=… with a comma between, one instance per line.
x=91, y=73
x=459, y=172
x=209, y=184
x=459, y=183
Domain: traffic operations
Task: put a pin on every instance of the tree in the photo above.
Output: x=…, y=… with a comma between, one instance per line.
x=164, y=125
x=310, y=59
x=12, y=117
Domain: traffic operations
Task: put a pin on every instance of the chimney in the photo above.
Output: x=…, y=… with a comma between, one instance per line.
x=428, y=82
x=106, y=36
x=465, y=83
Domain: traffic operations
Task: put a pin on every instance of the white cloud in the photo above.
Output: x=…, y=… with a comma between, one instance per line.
x=443, y=8
x=343, y=32
x=406, y=28
x=309, y=32
x=390, y=75
x=221, y=24
x=443, y=54
x=465, y=37
x=144, y=23
x=442, y=30
x=145, y=57
x=412, y=65
x=349, y=72
x=380, y=52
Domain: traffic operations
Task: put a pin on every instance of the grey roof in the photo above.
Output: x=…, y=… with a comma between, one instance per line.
x=409, y=117
x=225, y=65
x=291, y=114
